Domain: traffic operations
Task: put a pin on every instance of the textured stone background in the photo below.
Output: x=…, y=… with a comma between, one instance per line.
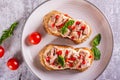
x=12, y=10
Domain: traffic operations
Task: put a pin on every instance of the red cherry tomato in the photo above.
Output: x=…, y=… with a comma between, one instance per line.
x=34, y=38
x=2, y=51
x=13, y=63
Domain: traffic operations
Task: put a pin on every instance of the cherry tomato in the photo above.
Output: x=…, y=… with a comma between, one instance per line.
x=34, y=38
x=2, y=51
x=13, y=64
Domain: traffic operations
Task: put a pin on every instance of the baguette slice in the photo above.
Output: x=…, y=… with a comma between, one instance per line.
x=57, y=57
x=59, y=24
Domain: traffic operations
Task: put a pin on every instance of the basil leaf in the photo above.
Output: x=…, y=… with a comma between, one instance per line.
x=97, y=53
x=68, y=23
x=61, y=60
x=8, y=32
x=96, y=40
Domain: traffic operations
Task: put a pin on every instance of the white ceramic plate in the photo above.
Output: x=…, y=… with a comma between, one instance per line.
x=78, y=9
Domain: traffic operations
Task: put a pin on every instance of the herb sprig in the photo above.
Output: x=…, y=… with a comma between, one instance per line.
x=95, y=42
x=96, y=52
x=61, y=61
x=68, y=23
x=8, y=32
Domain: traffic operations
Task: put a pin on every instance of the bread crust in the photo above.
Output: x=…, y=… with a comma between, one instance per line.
x=45, y=24
x=46, y=20
x=48, y=47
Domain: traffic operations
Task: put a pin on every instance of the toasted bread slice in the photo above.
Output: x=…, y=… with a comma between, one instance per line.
x=57, y=57
x=62, y=25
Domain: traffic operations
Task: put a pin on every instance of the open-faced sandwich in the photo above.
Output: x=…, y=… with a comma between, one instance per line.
x=57, y=57
x=62, y=25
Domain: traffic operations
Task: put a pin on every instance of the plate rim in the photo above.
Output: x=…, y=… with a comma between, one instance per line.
x=112, y=38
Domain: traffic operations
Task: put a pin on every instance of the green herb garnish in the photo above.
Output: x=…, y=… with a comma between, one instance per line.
x=96, y=52
x=7, y=33
x=61, y=60
x=68, y=23
x=96, y=40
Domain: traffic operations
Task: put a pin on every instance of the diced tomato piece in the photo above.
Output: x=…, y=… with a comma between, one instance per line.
x=83, y=62
x=59, y=52
x=60, y=26
x=78, y=22
x=73, y=27
x=59, y=66
x=79, y=57
x=53, y=25
x=48, y=59
x=79, y=33
x=70, y=64
x=72, y=37
x=67, y=59
x=53, y=63
x=73, y=58
x=69, y=27
x=83, y=28
x=90, y=56
x=57, y=16
x=79, y=66
x=66, y=15
x=66, y=52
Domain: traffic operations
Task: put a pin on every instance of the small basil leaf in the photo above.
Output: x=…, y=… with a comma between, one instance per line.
x=61, y=60
x=97, y=53
x=8, y=32
x=68, y=23
x=96, y=40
